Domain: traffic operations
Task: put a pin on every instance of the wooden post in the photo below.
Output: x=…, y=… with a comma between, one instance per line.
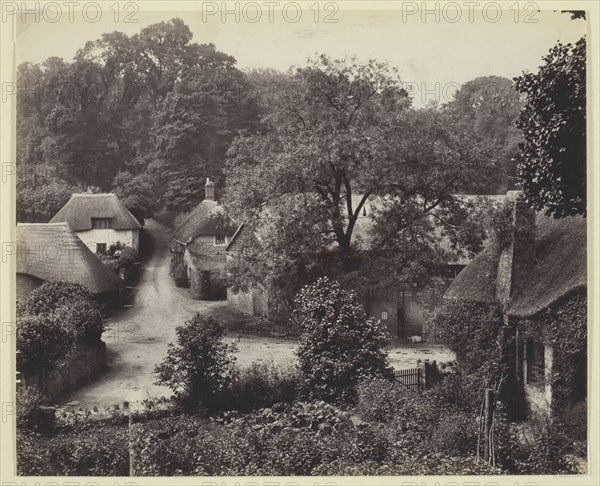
x=489, y=417
x=131, y=443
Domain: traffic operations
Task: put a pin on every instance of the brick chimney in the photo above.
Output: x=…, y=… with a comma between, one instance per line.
x=518, y=256
x=209, y=190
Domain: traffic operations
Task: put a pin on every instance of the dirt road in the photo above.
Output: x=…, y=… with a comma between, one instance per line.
x=137, y=337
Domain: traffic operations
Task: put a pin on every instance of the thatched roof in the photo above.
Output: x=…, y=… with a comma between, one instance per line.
x=208, y=218
x=561, y=250
x=52, y=251
x=561, y=269
x=81, y=208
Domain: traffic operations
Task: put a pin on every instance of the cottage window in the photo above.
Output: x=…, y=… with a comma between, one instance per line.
x=536, y=365
x=384, y=316
x=219, y=239
x=100, y=247
x=101, y=223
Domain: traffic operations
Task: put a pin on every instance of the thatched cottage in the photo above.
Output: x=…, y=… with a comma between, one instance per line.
x=199, y=246
x=53, y=252
x=100, y=220
x=537, y=277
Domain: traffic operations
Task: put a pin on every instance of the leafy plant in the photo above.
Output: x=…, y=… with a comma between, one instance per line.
x=552, y=162
x=338, y=343
x=199, y=365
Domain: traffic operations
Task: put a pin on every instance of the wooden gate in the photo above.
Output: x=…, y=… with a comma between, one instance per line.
x=411, y=379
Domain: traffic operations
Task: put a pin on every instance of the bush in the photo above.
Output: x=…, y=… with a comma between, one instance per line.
x=42, y=339
x=52, y=295
x=573, y=421
x=456, y=434
x=378, y=400
x=98, y=451
x=55, y=317
x=338, y=343
x=537, y=446
x=28, y=406
x=259, y=386
x=200, y=365
x=178, y=271
x=83, y=320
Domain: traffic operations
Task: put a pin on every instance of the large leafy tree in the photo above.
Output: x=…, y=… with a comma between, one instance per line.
x=154, y=103
x=552, y=162
x=488, y=108
x=346, y=133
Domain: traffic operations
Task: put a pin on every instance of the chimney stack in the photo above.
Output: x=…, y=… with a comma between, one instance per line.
x=209, y=190
x=518, y=258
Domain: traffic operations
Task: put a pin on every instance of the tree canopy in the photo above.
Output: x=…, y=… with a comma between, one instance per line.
x=346, y=134
x=552, y=161
x=147, y=114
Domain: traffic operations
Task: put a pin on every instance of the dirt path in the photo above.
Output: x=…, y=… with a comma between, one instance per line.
x=137, y=337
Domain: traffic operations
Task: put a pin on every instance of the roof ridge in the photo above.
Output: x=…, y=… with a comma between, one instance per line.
x=61, y=223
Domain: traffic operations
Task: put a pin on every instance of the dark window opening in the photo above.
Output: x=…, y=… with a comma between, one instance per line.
x=100, y=247
x=219, y=239
x=101, y=223
x=536, y=366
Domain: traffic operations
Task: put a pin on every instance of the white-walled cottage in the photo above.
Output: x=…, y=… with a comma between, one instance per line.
x=100, y=220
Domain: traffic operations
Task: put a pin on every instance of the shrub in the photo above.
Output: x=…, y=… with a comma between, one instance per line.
x=178, y=271
x=28, y=405
x=378, y=400
x=42, y=339
x=127, y=257
x=52, y=295
x=338, y=343
x=456, y=434
x=259, y=386
x=83, y=320
x=573, y=421
x=199, y=365
x=98, y=451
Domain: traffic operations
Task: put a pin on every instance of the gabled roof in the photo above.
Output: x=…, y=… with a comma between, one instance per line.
x=208, y=218
x=561, y=269
x=81, y=208
x=52, y=251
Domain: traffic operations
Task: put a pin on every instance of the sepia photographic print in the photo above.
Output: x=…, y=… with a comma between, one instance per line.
x=325, y=242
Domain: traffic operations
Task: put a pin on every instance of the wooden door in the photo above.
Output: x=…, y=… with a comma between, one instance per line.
x=257, y=302
x=412, y=314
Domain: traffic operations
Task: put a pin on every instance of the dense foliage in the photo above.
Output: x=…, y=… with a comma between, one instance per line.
x=488, y=107
x=564, y=327
x=417, y=434
x=343, y=135
x=55, y=317
x=149, y=115
x=338, y=343
x=258, y=386
x=199, y=365
x=552, y=162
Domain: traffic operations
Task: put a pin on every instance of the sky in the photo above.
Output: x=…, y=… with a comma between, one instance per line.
x=434, y=52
